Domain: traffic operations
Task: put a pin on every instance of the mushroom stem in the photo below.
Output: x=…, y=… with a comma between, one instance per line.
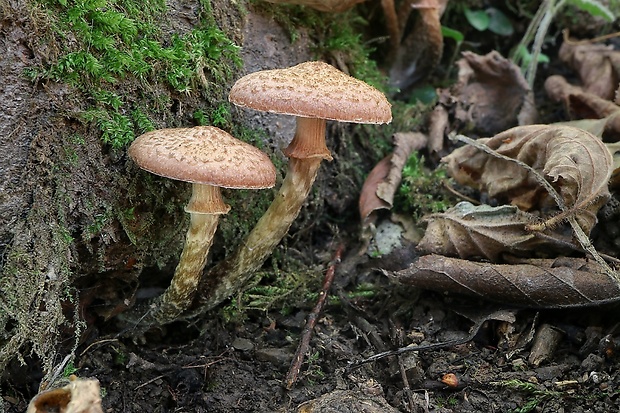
x=229, y=275
x=309, y=140
x=204, y=207
x=178, y=296
x=206, y=199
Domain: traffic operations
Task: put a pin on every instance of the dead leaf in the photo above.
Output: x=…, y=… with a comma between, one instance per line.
x=492, y=93
x=582, y=105
x=383, y=181
x=539, y=283
x=369, y=201
x=468, y=231
x=417, y=52
x=438, y=125
x=578, y=103
x=576, y=163
x=79, y=396
x=598, y=66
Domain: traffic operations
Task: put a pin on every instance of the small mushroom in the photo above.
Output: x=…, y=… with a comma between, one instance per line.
x=313, y=92
x=209, y=158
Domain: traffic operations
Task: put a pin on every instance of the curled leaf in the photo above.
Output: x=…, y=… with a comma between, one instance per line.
x=468, y=231
x=598, y=66
x=383, y=181
x=492, y=93
x=573, y=161
x=540, y=283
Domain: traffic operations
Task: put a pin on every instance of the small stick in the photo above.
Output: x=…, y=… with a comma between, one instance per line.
x=306, y=334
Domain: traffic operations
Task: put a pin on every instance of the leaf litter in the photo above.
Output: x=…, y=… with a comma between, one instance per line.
x=548, y=198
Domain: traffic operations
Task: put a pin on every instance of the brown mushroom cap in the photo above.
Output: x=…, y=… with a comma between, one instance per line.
x=312, y=90
x=203, y=155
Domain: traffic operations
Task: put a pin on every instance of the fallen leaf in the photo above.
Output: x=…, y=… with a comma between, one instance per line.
x=383, y=181
x=578, y=103
x=598, y=66
x=79, y=396
x=369, y=200
x=418, y=51
x=573, y=161
x=538, y=283
x=468, y=231
x=492, y=93
x=586, y=106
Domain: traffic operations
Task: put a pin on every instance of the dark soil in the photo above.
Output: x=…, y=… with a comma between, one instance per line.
x=518, y=359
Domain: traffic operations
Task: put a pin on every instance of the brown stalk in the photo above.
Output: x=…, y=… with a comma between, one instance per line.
x=306, y=335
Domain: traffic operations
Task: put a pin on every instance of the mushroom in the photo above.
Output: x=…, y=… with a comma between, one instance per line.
x=313, y=92
x=209, y=158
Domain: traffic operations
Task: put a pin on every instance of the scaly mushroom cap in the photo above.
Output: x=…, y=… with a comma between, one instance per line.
x=203, y=155
x=312, y=90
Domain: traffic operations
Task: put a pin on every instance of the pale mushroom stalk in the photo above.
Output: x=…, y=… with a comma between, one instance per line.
x=229, y=275
x=198, y=240
x=314, y=92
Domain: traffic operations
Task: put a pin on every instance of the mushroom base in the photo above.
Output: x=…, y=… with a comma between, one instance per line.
x=178, y=296
x=229, y=275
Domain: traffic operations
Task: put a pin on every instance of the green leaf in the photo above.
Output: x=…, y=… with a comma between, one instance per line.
x=479, y=19
x=452, y=34
x=499, y=23
x=595, y=8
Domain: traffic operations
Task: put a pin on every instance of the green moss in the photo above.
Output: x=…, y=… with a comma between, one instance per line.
x=421, y=191
x=337, y=37
x=104, y=45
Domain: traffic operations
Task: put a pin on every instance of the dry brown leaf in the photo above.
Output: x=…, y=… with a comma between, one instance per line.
x=369, y=201
x=540, y=283
x=467, y=231
x=383, y=181
x=580, y=105
x=418, y=51
x=79, y=396
x=492, y=93
x=598, y=66
x=576, y=163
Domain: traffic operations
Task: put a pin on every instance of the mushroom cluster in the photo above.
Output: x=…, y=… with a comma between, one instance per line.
x=314, y=92
x=210, y=159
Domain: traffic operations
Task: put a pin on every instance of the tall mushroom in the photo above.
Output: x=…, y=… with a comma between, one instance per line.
x=209, y=158
x=313, y=92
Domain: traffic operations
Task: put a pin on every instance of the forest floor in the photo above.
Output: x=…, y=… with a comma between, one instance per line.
x=494, y=357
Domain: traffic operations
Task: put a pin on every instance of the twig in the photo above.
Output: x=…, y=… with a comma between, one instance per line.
x=306, y=334
x=426, y=347
x=568, y=40
x=398, y=333
x=149, y=382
